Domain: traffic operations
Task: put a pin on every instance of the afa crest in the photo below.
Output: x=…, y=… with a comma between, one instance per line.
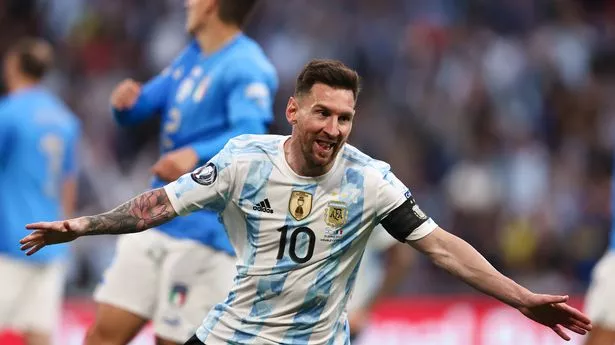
x=336, y=214
x=300, y=204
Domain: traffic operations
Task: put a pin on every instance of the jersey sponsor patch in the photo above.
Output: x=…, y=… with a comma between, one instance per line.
x=205, y=175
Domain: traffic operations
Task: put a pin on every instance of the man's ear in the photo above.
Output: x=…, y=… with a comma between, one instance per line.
x=292, y=110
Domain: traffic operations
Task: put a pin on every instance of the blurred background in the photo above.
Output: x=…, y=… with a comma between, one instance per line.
x=498, y=115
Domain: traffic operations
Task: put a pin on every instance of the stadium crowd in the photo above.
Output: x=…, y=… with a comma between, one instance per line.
x=494, y=113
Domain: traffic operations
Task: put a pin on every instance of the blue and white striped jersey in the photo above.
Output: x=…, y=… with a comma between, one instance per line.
x=299, y=240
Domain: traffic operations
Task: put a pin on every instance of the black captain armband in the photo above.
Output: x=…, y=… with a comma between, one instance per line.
x=404, y=219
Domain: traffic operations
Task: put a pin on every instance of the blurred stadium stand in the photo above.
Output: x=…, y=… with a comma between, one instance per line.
x=495, y=113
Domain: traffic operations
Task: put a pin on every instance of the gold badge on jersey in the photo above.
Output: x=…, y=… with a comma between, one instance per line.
x=300, y=204
x=336, y=214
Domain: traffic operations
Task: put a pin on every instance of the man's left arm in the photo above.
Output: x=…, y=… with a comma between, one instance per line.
x=405, y=221
x=459, y=258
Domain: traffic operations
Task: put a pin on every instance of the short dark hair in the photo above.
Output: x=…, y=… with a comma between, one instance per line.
x=235, y=11
x=329, y=72
x=35, y=56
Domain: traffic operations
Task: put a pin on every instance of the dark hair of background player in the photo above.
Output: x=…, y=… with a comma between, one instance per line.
x=235, y=11
x=35, y=57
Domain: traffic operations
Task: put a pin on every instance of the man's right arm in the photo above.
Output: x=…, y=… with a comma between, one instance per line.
x=145, y=211
x=209, y=186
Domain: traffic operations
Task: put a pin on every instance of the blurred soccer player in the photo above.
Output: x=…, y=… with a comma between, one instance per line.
x=38, y=139
x=384, y=264
x=219, y=87
x=299, y=210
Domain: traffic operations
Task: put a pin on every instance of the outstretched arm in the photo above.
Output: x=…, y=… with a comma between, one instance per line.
x=146, y=210
x=459, y=258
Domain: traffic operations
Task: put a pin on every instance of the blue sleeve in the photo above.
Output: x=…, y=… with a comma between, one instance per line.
x=71, y=159
x=152, y=98
x=155, y=92
x=250, y=109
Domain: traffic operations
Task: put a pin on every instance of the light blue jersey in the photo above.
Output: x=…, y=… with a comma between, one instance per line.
x=204, y=102
x=38, y=140
x=299, y=240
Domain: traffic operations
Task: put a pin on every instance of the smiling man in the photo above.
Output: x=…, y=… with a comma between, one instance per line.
x=297, y=265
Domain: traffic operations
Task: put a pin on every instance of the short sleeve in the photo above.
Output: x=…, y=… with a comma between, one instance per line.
x=207, y=187
x=398, y=212
x=251, y=95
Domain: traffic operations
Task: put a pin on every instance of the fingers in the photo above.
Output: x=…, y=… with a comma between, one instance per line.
x=32, y=243
x=575, y=314
x=54, y=226
x=581, y=324
x=553, y=299
x=559, y=331
x=38, y=246
x=35, y=236
x=576, y=329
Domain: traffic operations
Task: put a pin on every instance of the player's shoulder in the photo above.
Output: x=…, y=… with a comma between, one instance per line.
x=355, y=157
x=248, y=58
x=253, y=145
x=190, y=51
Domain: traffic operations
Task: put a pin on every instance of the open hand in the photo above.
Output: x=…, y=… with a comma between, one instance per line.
x=553, y=312
x=46, y=233
x=175, y=163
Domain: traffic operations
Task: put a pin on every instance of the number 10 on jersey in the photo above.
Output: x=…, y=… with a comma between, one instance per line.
x=292, y=248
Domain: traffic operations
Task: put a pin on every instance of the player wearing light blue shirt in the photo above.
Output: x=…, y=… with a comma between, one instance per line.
x=220, y=86
x=299, y=210
x=38, y=149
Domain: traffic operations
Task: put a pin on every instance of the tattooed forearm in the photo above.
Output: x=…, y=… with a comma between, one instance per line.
x=146, y=210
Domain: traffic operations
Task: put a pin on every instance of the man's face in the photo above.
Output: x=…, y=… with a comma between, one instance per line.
x=197, y=12
x=322, y=120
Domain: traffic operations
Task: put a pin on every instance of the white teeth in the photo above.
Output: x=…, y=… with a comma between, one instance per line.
x=325, y=145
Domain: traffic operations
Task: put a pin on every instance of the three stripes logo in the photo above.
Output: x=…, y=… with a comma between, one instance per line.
x=263, y=206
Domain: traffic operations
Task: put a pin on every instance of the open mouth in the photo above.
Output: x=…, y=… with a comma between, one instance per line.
x=325, y=145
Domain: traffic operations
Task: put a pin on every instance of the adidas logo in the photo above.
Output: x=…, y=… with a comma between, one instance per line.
x=263, y=206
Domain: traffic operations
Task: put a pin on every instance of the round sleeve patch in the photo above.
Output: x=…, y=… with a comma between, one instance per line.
x=206, y=174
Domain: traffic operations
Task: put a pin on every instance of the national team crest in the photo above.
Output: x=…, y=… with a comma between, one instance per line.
x=200, y=90
x=300, y=204
x=336, y=214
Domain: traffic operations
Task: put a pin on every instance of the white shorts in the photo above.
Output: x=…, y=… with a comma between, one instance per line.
x=31, y=295
x=172, y=282
x=600, y=299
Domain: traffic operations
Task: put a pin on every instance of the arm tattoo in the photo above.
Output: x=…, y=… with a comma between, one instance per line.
x=146, y=210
